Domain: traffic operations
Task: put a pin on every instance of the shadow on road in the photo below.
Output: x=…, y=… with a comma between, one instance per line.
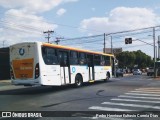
x=46, y=89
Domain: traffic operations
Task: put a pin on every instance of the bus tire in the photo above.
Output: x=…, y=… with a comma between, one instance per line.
x=78, y=80
x=107, y=77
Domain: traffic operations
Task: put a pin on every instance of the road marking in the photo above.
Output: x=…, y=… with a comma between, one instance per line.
x=142, y=94
x=149, y=88
x=157, y=98
x=145, y=92
x=108, y=108
x=132, y=105
x=133, y=100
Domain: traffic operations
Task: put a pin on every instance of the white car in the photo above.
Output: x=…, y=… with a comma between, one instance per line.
x=137, y=72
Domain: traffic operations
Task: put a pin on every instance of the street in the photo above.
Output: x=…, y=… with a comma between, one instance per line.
x=128, y=93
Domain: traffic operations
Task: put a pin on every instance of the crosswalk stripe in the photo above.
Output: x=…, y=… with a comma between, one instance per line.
x=142, y=94
x=108, y=108
x=126, y=96
x=132, y=105
x=133, y=100
x=145, y=92
x=149, y=88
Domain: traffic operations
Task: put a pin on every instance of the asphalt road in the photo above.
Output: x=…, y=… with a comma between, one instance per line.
x=129, y=93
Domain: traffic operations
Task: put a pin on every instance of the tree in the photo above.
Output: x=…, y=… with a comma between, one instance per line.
x=130, y=59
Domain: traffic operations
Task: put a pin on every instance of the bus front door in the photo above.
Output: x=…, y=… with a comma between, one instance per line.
x=91, y=67
x=64, y=67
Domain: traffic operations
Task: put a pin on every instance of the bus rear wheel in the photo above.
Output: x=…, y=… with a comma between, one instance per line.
x=78, y=81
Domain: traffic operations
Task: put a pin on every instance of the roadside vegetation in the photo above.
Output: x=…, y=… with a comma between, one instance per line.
x=133, y=59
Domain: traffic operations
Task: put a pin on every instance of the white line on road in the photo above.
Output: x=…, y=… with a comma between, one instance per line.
x=126, y=96
x=142, y=94
x=108, y=108
x=133, y=100
x=145, y=92
x=132, y=105
x=149, y=88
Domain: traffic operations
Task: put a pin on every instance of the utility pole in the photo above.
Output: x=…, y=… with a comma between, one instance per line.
x=111, y=46
x=49, y=32
x=104, y=50
x=159, y=46
x=58, y=40
x=154, y=52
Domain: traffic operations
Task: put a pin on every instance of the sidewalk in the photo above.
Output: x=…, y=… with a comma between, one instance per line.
x=5, y=82
x=6, y=85
x=157, y=78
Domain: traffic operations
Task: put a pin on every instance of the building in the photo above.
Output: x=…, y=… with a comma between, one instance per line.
x=4, y=64
x=114, y=50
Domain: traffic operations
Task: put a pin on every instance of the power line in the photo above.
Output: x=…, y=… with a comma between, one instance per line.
x=63, y=25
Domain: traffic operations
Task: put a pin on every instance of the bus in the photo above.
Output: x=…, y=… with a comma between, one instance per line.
x=38, y=63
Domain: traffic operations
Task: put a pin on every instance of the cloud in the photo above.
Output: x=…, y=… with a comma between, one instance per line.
x=19, y=26
x=33, y=6
x=22, y=19
x=119, y=19
x=61, y=11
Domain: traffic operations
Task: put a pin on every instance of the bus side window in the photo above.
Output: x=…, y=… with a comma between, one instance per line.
x=97, y=59
x=82, y=59
x=73, y=58
x=49, y=56
x=102, y=61
x=63, y=58
x=107, y=61
x=89, y=60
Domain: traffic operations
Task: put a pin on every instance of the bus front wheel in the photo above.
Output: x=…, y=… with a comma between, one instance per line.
x=78, y=80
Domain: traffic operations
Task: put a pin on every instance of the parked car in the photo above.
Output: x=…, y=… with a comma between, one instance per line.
x=137, y=72
x=119, y=72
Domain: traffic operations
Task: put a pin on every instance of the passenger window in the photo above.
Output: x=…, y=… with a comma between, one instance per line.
x=102, y=61
x=107, y=61
x=97, y=59
x=73, y=58
x=82, y=59
x=49, y=56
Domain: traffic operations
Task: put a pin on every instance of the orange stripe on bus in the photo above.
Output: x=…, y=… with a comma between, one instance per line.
x=75, y=49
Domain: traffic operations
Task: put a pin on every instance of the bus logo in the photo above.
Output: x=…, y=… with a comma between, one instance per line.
x=21, y=51
x=73, y=69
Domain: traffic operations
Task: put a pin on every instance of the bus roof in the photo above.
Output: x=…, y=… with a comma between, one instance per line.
x=75, y=49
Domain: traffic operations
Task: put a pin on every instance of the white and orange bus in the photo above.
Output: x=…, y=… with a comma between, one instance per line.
x=37, y=63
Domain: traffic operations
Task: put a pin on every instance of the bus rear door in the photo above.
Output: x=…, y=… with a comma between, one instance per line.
x=64, y=67
x=90, y=67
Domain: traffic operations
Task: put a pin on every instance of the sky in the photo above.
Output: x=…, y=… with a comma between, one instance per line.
x=26, y=20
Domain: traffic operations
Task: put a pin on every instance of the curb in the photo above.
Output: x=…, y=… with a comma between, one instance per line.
x=5, y=81
x=157, y=78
